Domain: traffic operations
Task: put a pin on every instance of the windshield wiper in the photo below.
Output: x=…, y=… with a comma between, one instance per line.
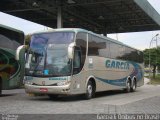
x=37, y=64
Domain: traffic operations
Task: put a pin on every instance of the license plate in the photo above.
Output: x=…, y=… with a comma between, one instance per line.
x=43, y=89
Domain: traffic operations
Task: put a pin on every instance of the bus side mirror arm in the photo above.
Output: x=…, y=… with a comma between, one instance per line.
x=70, y=50
x=18, y=51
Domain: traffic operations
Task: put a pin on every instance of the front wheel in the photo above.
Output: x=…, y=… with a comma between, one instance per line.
x=90, y=92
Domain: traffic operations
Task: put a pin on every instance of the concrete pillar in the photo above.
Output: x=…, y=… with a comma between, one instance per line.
x=59, y=17
x=105, y=32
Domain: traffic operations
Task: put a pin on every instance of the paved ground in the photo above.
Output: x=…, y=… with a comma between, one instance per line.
x=145, y=100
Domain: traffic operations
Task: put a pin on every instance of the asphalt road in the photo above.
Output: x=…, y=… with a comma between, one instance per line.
x=146, y=100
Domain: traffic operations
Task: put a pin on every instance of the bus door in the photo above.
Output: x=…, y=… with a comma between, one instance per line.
x=77, y=68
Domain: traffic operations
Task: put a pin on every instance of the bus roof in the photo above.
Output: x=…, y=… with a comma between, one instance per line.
x=76, y=30
x=10, y=28
x=12, y=33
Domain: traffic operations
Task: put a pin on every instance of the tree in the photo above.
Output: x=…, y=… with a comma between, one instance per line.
x=27, y=39
x=154, y=58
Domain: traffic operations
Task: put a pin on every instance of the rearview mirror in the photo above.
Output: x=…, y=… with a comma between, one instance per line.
x=70, y=50
x=28, y=59
x=19, y=49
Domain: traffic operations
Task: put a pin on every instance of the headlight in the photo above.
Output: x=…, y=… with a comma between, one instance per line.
x=28, y=82
x=63, y=83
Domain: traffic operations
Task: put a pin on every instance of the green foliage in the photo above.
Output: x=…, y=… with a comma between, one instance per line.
x=27, y=39
x=154, y=56
x=156, y=80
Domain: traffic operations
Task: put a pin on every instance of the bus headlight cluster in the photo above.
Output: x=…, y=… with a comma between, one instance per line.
x=63, y=83
x=28, y=82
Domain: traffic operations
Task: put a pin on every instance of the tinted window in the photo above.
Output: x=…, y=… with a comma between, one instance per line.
x=41, y=40
x=104, y=48
x=81, y=43
x=114, y=49
x=97, y=46
x=132, y=55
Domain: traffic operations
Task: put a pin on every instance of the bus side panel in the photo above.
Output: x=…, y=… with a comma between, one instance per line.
x=140, y=75
x=10, y=39
x=112, y=74
x=95, y=68
x=78, y=82
x=104, y=76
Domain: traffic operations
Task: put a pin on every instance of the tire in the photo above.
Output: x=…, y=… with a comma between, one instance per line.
x=52, y=96
x=134, y=86
x=128, y=87
x=90, y=91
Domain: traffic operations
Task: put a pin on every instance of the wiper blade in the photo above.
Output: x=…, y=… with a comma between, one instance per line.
x=37, y=64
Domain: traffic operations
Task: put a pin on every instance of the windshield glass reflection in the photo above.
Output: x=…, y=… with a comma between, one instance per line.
x=47, y=55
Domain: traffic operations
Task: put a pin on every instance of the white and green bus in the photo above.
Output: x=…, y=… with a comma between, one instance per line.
x=11, y=70
x=76, y=61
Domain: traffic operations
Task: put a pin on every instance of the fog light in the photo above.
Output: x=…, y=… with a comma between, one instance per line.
x=63, y=83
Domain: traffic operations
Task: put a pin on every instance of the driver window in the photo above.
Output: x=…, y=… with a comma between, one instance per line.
x=77, y=59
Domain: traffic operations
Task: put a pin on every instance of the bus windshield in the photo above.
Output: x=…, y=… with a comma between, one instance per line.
x=48, y=54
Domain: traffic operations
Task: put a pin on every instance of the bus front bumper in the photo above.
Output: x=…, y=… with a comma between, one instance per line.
x=65, y=89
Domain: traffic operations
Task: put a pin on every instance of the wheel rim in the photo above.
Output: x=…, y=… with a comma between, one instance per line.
x=89, y=90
